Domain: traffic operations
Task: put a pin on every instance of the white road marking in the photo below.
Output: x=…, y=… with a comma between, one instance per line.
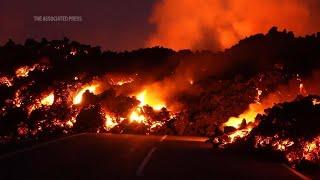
x=145, y=162
x=296, y=173
x=147, y=158
x=10, y=154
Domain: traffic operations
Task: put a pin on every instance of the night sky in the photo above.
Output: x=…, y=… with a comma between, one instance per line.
x=120, y=25
x=112, y=24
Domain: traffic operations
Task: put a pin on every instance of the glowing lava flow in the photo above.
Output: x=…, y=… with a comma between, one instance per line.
x=48, y=100
x=110, y=122
x=137, y=116
x=24, y=71
x=249, y=116
x=145, y=99
x=78, y=98
x=246, y=121
x=243, y=129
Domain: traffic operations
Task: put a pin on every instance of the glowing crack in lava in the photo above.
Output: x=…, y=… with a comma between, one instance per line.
x=78, y=98
x=48, y=100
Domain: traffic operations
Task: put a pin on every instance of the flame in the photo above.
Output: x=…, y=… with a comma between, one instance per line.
x=48, y=100
x=146, y=98
x=78, y=98
x=137, y=116
x=110, y=122
x=249, y=116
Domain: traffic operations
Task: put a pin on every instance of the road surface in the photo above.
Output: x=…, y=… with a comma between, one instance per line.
x=109, y=156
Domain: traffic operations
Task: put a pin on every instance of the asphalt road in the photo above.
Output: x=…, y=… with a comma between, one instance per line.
x=107, y=156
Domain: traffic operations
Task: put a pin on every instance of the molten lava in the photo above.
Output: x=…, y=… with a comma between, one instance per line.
x=78, y=98
x=137, y=116
x=311, y=150
x=110, y=122
x=295, y=151
x=48, y=100
x=147, y=98
x=6, y=81
x=24, y=71
x=249, y=116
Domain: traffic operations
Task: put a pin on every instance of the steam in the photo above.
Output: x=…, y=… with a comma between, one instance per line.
x=218, y=24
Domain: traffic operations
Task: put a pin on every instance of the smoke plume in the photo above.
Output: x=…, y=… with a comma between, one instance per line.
x=218, y=24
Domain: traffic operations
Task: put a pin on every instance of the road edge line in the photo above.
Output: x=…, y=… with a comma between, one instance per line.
x=296, y=172
x=145, y=162
x=10, y=154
